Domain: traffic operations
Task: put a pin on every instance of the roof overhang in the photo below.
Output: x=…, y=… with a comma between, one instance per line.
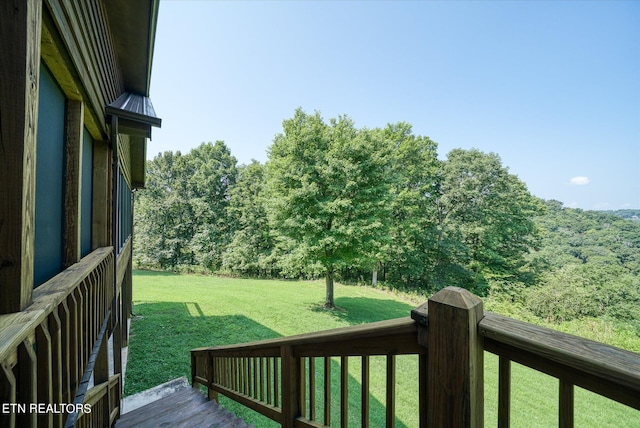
x=133, y=26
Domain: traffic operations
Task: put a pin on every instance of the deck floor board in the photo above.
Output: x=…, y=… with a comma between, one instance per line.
x=184, y=408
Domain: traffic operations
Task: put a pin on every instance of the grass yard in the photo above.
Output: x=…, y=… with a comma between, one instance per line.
x=175, y=313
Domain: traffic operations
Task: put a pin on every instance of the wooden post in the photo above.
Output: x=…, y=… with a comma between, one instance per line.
x=290, y=387
x=73, y=182
x=101, y=195
x=20, y=30
x=455, y=367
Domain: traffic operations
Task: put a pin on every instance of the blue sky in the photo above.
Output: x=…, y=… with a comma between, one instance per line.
x=551, y=87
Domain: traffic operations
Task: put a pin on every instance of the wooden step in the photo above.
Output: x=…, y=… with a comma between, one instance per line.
x=184, y=408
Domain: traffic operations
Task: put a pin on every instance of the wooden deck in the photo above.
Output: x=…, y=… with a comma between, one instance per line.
x=184, y=408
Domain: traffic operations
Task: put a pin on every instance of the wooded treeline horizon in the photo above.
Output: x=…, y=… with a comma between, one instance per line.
x=358, y=205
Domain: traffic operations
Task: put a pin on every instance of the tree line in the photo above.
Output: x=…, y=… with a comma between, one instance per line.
x=343, y=203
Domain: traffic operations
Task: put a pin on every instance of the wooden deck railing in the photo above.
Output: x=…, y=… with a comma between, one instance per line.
x=449, y=334
x=48, y=350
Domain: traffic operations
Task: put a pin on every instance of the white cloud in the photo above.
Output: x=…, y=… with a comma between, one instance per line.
x=580, y=181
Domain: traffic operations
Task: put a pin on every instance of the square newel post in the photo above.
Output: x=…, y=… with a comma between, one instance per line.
x=455, y=362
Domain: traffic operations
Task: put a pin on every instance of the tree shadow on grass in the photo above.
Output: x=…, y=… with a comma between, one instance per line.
x=360, y=310
x=163, y=334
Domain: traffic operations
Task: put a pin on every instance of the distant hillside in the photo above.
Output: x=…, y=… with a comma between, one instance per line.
x=633, y=215
x=588, y=265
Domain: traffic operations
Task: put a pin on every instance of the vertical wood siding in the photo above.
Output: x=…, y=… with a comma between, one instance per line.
x=84, y=30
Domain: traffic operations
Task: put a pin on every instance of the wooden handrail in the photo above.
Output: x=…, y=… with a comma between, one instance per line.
x=605, y=370
x=449, y=333
x=271, y=376
x=371, y=335
x=46, y=349
x=14, y=328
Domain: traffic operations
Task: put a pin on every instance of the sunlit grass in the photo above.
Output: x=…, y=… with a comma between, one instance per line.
x=176, y=313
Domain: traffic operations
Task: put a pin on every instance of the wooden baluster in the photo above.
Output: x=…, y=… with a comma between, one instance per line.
x=344, y=391
x=566, y=404
x=75, y=348
x=95, y=311
x=92, y=321
x=101, y=375
x=223, y=371
x=54, y=325
x=247, y=380
x=87, y=326
x=302, y=388
x=391, y=391
x=262, y=380
x=237, y=361
x=44, y=372
x=255, y=377
x=327, y=391
x=238, y=373
x=26, y=380
x=211, y=378
x=65, y=335
x=504, y=392
x=269, y=382
x=8, y=393
x=230, y=381
x=365, y=391
x=231, y=378
x=241, y=374
x=312, y=389
x=214, y=375
x=276, y=384
x=423, y=394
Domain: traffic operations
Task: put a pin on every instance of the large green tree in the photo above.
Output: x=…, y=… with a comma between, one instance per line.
x=249, y=253
x=181, y=216
x=408, y=255
x=214, y=174
x=163, y=215
x=328, y=194
x=486, y=220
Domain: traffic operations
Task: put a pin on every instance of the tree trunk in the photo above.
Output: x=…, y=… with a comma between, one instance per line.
x=329, y=283
x=374, y=278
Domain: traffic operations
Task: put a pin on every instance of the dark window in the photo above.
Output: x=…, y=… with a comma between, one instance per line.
x=49, y=229
x=125, y=208
x=87, y=193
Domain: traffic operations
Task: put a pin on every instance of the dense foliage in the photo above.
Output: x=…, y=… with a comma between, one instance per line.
x=589, y=266
x=363, y=205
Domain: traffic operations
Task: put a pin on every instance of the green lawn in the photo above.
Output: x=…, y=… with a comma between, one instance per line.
x=175, y=313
